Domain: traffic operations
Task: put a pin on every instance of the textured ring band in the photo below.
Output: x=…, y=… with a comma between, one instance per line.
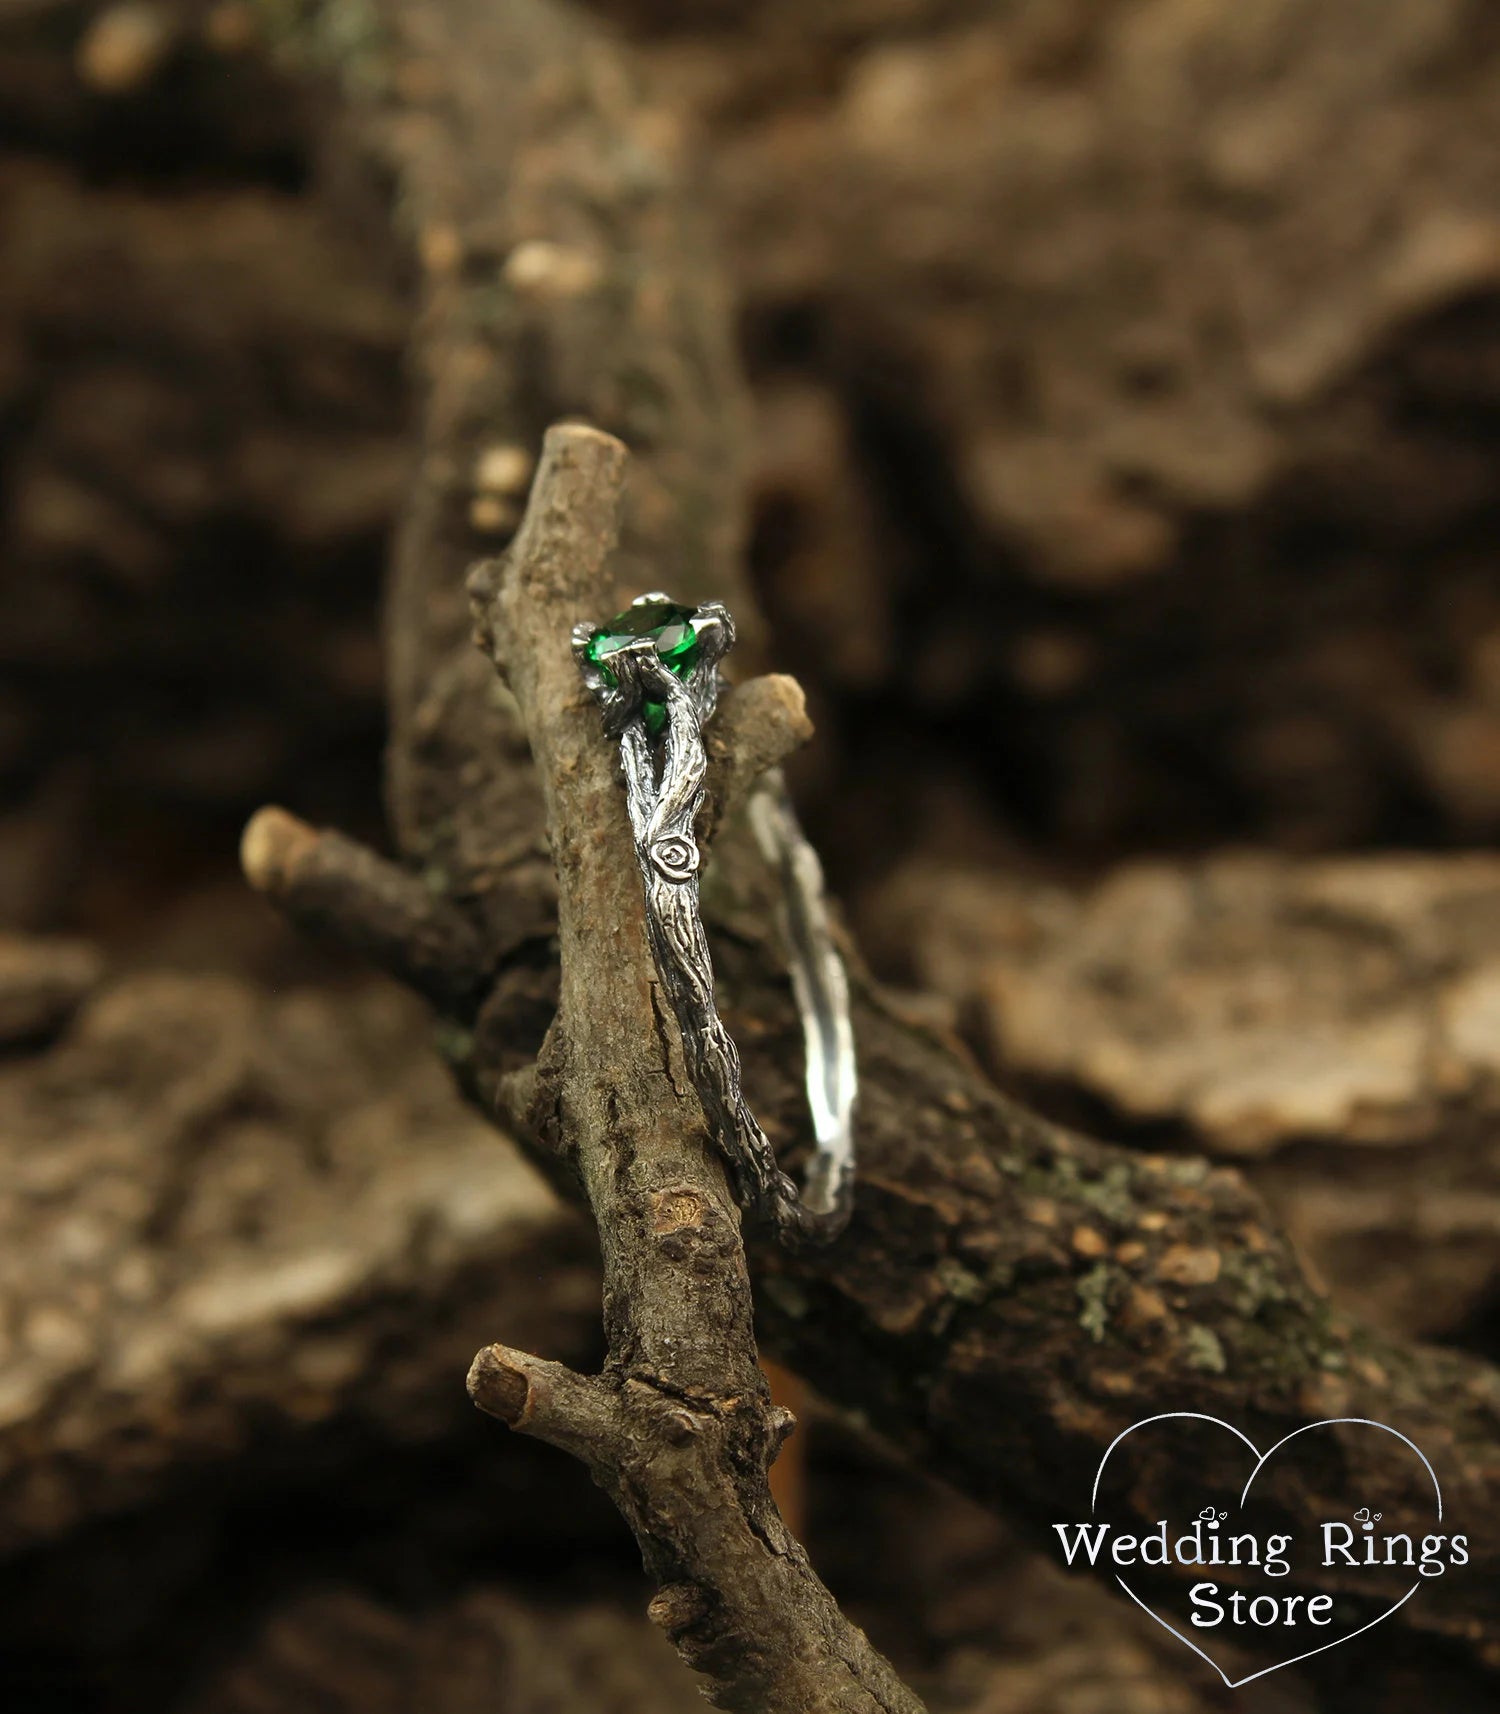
x=654, y=670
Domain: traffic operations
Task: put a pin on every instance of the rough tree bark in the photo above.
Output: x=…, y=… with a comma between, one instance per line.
x=1331, y=1024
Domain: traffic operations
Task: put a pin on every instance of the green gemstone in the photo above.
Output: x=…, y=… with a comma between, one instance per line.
x=669, y=625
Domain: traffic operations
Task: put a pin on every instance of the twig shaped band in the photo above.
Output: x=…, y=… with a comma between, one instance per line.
x=657, y=687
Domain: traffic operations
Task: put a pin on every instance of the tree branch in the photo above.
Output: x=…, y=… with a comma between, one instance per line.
x=680, y=1428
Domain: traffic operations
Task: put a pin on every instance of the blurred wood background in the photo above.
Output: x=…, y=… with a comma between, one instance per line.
x=1114, y=431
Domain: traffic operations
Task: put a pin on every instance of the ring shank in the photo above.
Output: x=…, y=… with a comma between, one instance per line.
x=821, y=985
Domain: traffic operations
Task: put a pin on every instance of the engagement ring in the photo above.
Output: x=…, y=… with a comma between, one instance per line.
x=654, y=670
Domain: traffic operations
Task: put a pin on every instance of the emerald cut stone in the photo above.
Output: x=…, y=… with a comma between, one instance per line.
x=670, y=626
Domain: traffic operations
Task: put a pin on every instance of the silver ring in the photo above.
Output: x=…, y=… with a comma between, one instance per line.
x=654, y=670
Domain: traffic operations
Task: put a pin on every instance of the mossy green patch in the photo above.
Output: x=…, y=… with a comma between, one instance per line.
x=959, y=1283
x=1205, y=1351
x=1108, y=1193
x=1253, y=1282
x=1093, y=1295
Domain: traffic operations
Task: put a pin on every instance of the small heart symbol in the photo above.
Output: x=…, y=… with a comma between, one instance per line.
x=1261, y=1460
x=1362, y=1516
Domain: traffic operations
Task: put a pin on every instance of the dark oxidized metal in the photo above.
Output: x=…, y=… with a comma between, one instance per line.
x=664, y=789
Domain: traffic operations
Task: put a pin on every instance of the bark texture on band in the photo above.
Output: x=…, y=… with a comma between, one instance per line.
x=680, y=1428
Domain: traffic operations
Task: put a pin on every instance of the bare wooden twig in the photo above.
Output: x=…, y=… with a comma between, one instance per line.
x=334, y=887
x=679, y=1428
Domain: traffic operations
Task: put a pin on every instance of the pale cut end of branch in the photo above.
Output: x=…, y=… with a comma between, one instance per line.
x=339, y=889
x=270, y=846
x=578, y=1413
x=558, y=562
x=500, y=1386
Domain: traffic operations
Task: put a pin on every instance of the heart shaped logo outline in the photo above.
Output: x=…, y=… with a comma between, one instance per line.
x=1261, y=1459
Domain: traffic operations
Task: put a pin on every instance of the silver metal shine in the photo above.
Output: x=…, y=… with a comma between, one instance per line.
x=663, y=792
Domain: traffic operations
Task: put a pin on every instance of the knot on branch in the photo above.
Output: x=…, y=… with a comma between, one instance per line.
x=677, y=1608
x=688, y=1227
x=782, y=1424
